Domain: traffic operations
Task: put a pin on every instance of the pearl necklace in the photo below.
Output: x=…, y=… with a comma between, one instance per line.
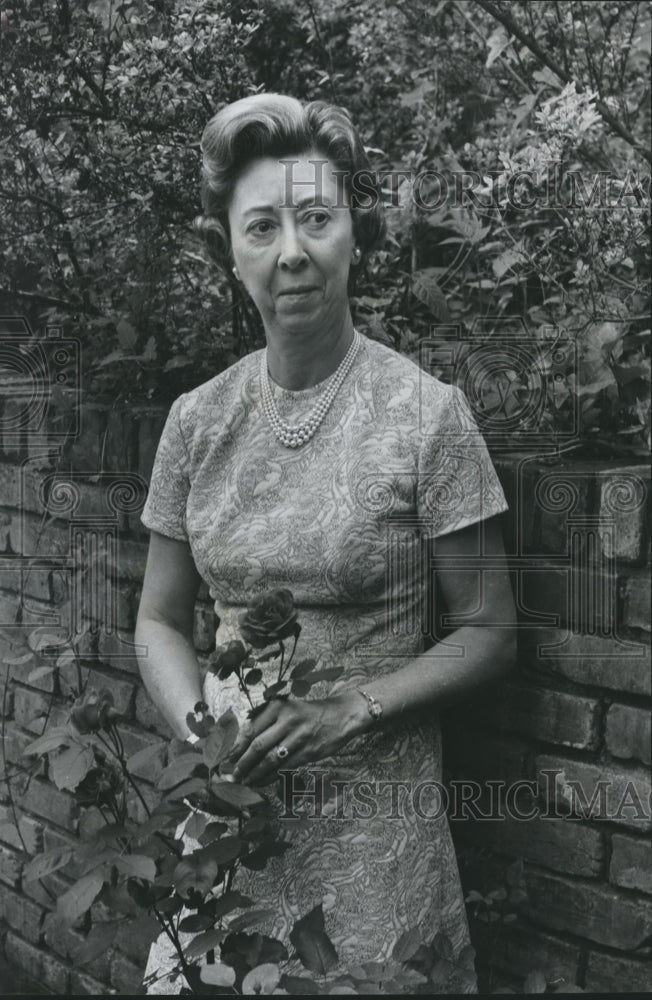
x=294, y=435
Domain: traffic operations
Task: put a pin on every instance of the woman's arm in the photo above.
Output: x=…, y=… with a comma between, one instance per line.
x=169, y=666
x=315, y=729
x=477, y=588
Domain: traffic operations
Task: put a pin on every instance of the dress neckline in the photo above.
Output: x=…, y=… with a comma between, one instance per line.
x=318, y=387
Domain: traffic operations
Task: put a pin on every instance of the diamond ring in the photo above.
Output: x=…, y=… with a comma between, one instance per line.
x=281, y=752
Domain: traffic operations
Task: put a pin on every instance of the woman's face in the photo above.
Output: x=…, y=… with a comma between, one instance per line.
x=292, y=242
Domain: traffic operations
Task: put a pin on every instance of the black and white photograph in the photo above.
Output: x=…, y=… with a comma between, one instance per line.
x=325, y=497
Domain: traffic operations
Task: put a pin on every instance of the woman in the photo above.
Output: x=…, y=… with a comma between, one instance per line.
x=329, y=465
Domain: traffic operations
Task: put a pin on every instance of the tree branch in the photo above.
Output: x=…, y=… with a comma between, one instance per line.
x=510, y=24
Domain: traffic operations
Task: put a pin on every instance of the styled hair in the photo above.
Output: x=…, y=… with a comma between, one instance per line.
x=280, y=126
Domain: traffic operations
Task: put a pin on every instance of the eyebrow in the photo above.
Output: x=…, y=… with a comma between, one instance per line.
x=302, y=203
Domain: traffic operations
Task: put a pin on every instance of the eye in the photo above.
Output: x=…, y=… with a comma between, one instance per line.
x=260, y=228
x=317, y=217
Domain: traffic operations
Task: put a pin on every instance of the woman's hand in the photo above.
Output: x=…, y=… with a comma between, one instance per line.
x=308, y=730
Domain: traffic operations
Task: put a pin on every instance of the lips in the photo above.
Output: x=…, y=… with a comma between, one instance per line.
x=298, y=290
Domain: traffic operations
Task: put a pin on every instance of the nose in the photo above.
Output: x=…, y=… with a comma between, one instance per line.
x=292, y=253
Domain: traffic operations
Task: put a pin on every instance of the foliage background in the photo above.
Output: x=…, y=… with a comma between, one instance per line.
x=103, y=107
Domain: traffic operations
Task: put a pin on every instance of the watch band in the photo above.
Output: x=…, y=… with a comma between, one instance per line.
x=373, y=705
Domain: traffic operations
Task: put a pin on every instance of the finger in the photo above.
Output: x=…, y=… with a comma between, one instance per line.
x=265, y=769
x=253, y=730
x=259, y=749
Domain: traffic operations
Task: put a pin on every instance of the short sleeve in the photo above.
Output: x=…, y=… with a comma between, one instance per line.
x=165, y=508
x=457, y=484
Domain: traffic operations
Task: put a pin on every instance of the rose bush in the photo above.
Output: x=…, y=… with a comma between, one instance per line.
x=269, y=618
x=227, y=658
x=93, y=711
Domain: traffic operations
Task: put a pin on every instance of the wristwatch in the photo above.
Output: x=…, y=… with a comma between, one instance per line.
x=373, y=705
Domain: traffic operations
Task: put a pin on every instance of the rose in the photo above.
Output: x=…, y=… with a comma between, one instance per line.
x=227, y=658
x=92, y=711
x=269, y=618
x=101, y=784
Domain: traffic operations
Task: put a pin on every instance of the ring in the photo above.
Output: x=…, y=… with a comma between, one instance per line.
x=281, y=752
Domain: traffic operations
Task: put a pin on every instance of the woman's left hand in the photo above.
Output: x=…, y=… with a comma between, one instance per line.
x=308, y=730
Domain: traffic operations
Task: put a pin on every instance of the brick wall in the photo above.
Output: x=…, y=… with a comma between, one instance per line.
x=578, y=706
x=575, y=714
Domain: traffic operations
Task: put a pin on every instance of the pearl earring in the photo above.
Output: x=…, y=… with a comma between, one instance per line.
x=357, y=254
x=235, y=273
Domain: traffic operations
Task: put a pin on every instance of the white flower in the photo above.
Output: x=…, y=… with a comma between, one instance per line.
x=569, y=115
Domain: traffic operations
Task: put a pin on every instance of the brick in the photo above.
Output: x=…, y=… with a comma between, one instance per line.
x=587, y=909
x=9, y=605
x=119, y=650
x=5, y=530
x=205, y=625
x=553, y=843
x=82, y=985
x=521, y=950
x=43, y=968
x=65, y=941
x=613, y=974
x=32, y=536
x=561, y=483
x=10, y=867
x=624, y=506
x=9, y=484
x=635, y=591
x=631, y=863
x=126, y=976
x=27, y=837
x=628, y=732
x=149, y=716
x=476, y=756
x=47, y=890
x=34, y=581
x=518, y=478
x=21, y=914
x=131, y=561
x=51, y=803
x=626, y=796
x=15, y=421
x=121, y=689
x=30, y=708
x=538, y=713
x=15, y=743
x=602, y=662
x=550, y=590
x=61, y=938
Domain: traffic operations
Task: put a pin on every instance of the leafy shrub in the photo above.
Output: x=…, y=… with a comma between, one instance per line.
x=103, y=108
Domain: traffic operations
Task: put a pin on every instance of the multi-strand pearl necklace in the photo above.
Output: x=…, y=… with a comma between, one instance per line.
x=294, y=435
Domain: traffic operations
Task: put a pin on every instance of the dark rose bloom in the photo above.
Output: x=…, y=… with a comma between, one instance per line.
x=227, y=658
x=101, y=784
x=269, y=617
x=92, y=711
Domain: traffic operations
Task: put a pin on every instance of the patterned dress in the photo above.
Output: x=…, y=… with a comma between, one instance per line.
x=344, y=522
